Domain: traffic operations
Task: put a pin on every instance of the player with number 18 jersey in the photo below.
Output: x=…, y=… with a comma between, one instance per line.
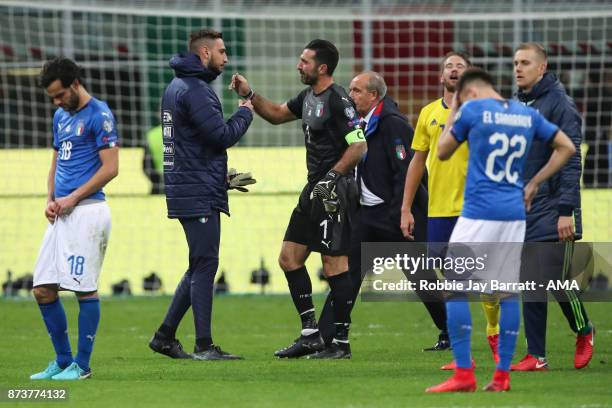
x=78, y=137
x=85, y=159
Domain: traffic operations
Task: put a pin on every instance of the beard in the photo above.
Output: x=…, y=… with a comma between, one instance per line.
x=308, y=79
x=217, y=69
x=73, y=103
x=449, y=87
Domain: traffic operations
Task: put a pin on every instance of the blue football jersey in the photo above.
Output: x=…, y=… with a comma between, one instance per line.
x=78, y=138
x=499, y=134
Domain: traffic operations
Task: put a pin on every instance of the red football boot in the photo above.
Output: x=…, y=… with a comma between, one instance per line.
x=462, y=381
x=584, y=349
x=500, y=383
x=530, y=363
x=452, y=365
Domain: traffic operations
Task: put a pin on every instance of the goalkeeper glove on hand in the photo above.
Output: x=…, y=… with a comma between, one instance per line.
x=237, y=181
x=325, y=189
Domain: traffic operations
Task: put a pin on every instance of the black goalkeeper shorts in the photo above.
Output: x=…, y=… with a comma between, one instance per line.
x=319, y=231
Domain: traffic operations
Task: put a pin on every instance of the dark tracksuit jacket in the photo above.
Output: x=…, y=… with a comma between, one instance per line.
x=383, y=171
x=558, y=196
x=196, y=137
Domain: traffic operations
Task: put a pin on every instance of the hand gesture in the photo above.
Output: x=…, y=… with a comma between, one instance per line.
x=240, y=85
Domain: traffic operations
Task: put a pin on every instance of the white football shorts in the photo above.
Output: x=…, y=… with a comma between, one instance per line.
x=73, y=248
x=496, y=247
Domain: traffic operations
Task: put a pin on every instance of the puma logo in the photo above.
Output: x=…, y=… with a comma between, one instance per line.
x=327, y=244
x=91, y=337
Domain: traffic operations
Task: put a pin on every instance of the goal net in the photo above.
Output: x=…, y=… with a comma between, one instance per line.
x=124, y=48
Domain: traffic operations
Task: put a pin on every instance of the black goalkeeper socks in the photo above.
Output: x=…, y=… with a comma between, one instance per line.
x=309, y=320
x=342, y=294
x=342, y=332
x=301, y=290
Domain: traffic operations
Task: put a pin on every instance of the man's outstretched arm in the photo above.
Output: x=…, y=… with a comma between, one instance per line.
x=270, y=111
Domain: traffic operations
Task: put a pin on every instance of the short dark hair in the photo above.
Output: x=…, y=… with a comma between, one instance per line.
x=62, y=68
x=472, y=75
x=459, y=54
x=325, y=53
x=197, y=37
x=534, y=46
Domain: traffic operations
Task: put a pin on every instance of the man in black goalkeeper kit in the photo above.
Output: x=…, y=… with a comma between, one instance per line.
x=321, y=220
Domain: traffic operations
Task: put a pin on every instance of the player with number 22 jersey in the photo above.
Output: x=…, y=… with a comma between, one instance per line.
x=500, y=131
x=499, y=134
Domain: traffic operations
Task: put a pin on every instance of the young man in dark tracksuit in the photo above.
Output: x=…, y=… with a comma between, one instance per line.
x=555, y=215
x=195, y=138
x=380, y=178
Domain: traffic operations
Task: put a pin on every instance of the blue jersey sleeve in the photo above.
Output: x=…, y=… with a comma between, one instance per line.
x=463, y=122
x=104, y=129
x=543, y=129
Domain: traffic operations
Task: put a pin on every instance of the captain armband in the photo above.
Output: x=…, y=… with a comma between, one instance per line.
x=355, y=136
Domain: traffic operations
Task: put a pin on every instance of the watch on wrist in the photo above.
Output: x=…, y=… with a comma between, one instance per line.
x=250, y=95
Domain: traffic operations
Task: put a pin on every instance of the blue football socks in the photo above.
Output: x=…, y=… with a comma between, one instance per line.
x=55, y=319
x=509, y=324
x=459, y=321
x=89, y=317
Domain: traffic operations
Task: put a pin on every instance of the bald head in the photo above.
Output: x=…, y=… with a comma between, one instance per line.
x=376, y=83
x=366, y=90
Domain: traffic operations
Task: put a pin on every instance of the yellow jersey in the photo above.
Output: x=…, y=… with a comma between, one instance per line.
x=446, y=182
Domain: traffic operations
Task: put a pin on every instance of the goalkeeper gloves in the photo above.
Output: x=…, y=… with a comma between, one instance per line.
x=237, y=181
x=325, y=189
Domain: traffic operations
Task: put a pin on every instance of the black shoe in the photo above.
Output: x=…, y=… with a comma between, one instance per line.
x=335, y=351
x=214, y=353
x=302, y=346
x=442, y=344
x=168, y=347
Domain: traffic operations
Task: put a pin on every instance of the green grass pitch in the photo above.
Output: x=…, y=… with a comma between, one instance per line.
x=388, y=368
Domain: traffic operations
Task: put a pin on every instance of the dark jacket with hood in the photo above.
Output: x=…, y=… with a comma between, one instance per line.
x=383, y=171
x=196, y=137
x=559, y=195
